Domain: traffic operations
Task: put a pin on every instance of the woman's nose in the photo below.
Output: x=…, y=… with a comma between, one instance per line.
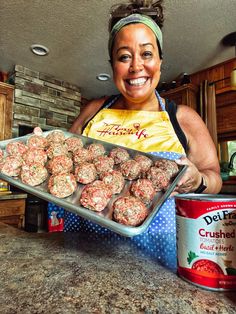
x=136, y=65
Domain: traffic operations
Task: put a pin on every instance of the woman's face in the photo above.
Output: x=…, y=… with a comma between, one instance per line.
x=136, y=62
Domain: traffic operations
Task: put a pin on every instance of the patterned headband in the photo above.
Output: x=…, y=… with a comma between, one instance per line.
x=135, y=18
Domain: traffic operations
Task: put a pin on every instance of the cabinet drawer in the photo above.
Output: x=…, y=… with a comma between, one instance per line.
x=12, y=207
x=16, y=221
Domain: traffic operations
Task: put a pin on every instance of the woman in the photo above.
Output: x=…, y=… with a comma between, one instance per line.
x=135, y=48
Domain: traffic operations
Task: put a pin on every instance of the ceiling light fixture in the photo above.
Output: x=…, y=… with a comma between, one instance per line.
x=230, y=40
x=39, y=50
x=103, y=77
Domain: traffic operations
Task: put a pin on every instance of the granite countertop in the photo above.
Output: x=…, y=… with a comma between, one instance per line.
x=77, y=273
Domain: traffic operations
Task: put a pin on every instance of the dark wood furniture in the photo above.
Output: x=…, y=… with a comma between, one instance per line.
x=183, y=95
x=6, y=100
x=12, y=209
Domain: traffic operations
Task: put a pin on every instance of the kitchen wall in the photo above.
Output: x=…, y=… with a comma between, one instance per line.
x=43, y=100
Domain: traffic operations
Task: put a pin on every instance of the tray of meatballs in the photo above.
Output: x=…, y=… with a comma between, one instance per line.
x=118, y=188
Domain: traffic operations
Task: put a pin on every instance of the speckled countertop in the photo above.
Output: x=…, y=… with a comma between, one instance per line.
x=71, y=273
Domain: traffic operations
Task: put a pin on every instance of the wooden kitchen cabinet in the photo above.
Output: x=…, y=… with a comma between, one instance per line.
x=183, y=95
x=12, y=209
x=6, y=100
x=226, y=113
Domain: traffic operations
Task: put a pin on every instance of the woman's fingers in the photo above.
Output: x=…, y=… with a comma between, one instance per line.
x=191, y=178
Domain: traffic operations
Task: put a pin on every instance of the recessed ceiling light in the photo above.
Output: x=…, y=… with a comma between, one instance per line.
x=39, y=50
x=103, y=77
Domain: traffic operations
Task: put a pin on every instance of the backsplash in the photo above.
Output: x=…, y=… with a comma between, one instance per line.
x=43, y=100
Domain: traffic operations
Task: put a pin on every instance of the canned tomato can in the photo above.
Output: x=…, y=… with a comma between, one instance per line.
x=206, y=240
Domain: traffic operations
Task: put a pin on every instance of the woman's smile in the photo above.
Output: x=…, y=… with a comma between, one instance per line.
x=137, y=82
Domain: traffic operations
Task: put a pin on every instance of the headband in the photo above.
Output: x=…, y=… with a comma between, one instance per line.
x=135, y=18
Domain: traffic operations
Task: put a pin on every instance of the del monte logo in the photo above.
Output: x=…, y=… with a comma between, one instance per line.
x=221, y=215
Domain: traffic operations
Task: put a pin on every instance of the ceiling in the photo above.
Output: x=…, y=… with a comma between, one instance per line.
x=75, y=31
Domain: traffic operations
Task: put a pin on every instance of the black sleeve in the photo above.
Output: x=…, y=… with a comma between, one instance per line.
x=171, y=108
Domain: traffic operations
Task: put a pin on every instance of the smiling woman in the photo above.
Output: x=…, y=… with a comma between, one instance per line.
x=155, y=125
x=136, y=66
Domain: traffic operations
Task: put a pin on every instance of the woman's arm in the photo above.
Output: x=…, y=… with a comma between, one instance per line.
x=89, y=110
x=202, y=157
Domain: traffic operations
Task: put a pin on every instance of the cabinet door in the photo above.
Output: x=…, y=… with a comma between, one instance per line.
x=183, y=95
x=226, y=113
x=6, y=98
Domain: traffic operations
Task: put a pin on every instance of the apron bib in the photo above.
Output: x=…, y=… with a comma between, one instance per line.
x=146, y=131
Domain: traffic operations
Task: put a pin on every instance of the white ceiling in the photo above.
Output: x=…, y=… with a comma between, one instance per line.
x=75, y=31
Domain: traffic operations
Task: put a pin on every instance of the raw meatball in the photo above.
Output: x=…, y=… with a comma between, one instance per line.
x=114, y=180
x=143, y=189
x=36, y=141
x=129, y=210
x=159, y=178
x=61, y=164
x=56, y=149
x=35, y=155
x=85, y=173
x=73, y=143
x=81, y=155
x=144, y=162
x=119, y=155
x=16, y=148
x=11, y=166
x=95, y=150
x=95, y=196
x=130, y=169
x=56, y=136
x=49, y=165
x=33, y=174
x=103, y=163
x=38, y=131
x=62, y=185
x=169, y=166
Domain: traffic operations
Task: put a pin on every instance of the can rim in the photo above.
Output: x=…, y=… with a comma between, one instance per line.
x=207, y=197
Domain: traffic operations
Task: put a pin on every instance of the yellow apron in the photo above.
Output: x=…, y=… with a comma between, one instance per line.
x=146, y=131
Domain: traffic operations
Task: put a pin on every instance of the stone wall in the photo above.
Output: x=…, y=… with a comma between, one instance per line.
x=42, y=100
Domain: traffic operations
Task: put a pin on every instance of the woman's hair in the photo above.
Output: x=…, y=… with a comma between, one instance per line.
x=150, y=8
x=153, y=9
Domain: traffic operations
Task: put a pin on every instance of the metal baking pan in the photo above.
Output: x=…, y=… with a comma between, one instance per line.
x=72, y=202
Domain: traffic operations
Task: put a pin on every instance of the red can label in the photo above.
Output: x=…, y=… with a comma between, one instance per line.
x=206, y=242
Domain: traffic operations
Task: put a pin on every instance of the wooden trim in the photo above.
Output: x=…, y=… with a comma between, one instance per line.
x=189, y=86
x=225, y=90
x=215, y=66
x=2, y=84
x=227, y=136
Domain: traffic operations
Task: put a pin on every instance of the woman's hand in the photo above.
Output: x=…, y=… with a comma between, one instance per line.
x=190, y=180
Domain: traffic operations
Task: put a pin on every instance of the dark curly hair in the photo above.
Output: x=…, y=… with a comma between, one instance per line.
x=151, y=8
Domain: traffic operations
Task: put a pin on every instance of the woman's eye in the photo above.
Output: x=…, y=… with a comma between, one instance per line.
x=147, y=54
x=124, y=58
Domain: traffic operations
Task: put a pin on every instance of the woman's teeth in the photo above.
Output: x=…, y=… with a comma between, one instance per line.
x=137, y=82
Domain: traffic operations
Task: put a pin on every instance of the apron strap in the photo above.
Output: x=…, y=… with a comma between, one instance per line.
x=110, y=101
x=171, y=108
x=160, y=101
